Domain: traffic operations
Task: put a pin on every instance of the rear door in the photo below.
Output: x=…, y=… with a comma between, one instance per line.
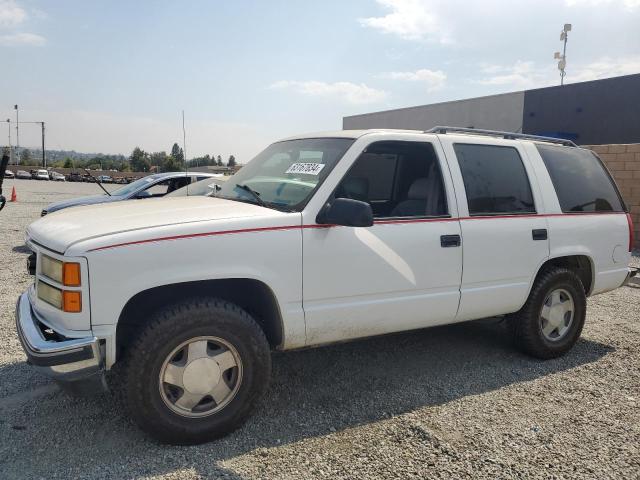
x=504, y=239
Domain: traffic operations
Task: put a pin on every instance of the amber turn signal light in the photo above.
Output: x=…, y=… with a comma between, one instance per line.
x=71, y=274
x=71, y=301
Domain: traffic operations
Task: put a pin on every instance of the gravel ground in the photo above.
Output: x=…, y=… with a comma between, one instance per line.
x=446, y=402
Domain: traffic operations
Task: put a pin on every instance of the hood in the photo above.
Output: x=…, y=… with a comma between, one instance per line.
x=74, y=202
x=61, y=230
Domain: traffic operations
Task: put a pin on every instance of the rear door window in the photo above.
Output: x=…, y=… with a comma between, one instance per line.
x=495, y=179
x=580, y=180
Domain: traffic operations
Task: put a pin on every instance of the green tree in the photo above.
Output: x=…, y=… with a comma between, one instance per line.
x=68, y=163
x=25, y=156
x=232, y=161
x=177, y=153
x=158, y=159
x=139, y=160
x=171, y=165
x=220, y=164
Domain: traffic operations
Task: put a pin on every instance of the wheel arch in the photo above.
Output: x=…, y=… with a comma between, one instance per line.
x=580, y=263
x=254, y=296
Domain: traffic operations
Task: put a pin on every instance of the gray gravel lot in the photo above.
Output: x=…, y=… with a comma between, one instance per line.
x=447, y=402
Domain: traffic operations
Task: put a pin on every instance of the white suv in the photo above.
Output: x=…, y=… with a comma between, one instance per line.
x=319, y=239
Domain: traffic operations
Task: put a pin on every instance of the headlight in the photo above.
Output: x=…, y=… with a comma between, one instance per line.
x=66, y=273
x=65, y=300
x=49, y=294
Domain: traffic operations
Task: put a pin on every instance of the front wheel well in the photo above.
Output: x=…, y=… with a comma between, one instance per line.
x=255, y=297
x=580, y=264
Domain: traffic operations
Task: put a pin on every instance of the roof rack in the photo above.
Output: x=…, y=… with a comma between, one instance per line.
x=506, y=135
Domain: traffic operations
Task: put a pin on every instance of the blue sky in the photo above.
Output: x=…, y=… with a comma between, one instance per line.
x=109, y=75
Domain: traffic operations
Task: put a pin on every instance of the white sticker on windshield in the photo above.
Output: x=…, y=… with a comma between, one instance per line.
x=306, y=168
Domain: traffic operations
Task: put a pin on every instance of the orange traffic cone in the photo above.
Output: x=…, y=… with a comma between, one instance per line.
x=14, y=197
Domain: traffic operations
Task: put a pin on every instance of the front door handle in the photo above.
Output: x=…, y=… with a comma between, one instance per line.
x=539, y=234
x=450, y=241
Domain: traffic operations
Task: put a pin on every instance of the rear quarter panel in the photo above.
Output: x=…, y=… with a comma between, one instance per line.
x=603, y=237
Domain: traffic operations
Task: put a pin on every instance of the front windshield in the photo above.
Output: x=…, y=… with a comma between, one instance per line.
x=286, y=174
x=132, y=187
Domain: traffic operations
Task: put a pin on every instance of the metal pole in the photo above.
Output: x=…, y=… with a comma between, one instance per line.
x=564, y=56
x=44, y=158
x=10, y=149
x=184, y=143
x=17, y=135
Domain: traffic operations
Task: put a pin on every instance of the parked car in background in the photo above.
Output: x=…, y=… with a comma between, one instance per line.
x=104, y=179
x=205, y=187
x=321, y=239
x=41, y=175
x=55, y=176
x=156, y=185
x=23, y=175
x=8, y=174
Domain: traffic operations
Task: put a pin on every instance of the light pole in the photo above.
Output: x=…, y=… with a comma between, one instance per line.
x=562, y=59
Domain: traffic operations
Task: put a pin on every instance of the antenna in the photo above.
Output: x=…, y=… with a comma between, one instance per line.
x=562, y=57
x=184, y=151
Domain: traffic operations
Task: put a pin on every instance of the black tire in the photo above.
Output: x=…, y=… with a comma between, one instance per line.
x=527, y=325
x=138, y=373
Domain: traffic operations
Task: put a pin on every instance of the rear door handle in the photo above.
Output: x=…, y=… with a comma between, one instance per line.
x=539, y=234
x=450, y=241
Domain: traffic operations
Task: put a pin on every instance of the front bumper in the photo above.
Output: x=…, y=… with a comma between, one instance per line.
x=64, y=360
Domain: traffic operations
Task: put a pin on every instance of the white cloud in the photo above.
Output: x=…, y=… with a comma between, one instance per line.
x=357, y=94
x=15, y=39
x=523, y=75
x=434, y=79
x=605, y=67
x=411, y=20
x=11, y=14
x=628, y=4
x=520, y=75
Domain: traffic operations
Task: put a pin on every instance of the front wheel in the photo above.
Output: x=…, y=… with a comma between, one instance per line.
x=551, y=320
x=195, y=372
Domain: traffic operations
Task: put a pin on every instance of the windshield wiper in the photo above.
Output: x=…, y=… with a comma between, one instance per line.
x=255, y=194
x=96, y=180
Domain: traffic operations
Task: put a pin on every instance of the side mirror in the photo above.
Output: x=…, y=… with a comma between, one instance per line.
x=346, y=212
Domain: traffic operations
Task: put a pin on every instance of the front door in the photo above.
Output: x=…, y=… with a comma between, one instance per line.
x=404, y=272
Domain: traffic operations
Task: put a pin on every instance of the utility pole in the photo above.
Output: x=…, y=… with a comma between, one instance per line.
x=44, y=158
x=562, y=59
x=17, y=135
x=10, y=149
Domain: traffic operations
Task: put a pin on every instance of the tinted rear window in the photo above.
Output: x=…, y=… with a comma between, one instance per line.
x=495, y=179
x=581, y=181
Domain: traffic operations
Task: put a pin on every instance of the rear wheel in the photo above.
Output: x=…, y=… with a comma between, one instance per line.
x=551, y=320
x=195, y=372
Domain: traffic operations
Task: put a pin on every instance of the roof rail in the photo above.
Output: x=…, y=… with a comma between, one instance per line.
x=506, y=135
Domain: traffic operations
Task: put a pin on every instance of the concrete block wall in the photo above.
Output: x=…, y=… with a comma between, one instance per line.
x=623, y=161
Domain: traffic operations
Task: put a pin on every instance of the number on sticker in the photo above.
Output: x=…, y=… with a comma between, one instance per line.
x=306, y=168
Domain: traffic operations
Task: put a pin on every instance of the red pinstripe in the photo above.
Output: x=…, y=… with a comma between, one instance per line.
x=376, y=222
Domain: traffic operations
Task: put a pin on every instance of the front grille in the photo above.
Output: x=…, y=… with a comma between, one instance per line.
x=43, y=213
x=31, y=263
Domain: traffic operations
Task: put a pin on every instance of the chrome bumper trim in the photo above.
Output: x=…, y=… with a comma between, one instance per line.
x=66, y=360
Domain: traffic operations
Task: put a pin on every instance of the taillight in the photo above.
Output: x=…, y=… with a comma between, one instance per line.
x=631, y=238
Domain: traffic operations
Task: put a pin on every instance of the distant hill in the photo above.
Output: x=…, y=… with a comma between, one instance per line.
x=55, y=155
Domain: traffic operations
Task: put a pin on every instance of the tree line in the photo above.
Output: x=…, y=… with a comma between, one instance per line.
x=138, y=161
